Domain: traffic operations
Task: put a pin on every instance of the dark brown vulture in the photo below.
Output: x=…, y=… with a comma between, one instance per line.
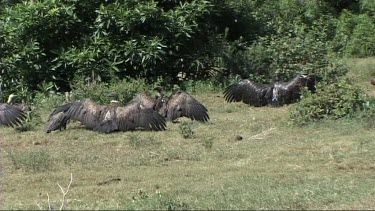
x=251, y=93
x=277, y=94
x=58, y=118
x=109, y=118
x=11, y=115
x=180, y=104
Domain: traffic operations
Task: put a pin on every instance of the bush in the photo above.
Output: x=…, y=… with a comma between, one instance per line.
x=355, y=35
x=331, y=100
x=67, y=41
x=280, y=57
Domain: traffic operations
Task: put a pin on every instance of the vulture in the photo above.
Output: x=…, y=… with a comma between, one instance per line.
x=11, y=115
x=276, y=94
x=58, y=118
x=180, y=104
x=108, y=118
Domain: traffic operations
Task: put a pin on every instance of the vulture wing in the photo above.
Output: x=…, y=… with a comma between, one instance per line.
x=135, y=115
x=88, y=112
x=11, y=116
x=182, y=104
x=249, y=92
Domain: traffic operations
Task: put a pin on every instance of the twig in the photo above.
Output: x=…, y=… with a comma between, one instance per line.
x=49, y=204
x=65, y=192
x=262, y=134
x=63, y=196
x=40, y=208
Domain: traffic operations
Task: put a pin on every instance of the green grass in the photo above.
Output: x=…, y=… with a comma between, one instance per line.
x=327, y=165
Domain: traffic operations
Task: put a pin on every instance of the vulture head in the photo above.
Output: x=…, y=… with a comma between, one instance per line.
x=160, y=92
x=11, y=99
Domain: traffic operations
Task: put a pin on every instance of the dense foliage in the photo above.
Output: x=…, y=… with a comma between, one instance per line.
x=60, y=45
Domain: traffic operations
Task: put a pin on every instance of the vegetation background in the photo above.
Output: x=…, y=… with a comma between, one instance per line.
x=96, y=47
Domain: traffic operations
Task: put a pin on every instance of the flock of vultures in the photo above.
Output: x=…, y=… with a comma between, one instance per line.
x=151, y=113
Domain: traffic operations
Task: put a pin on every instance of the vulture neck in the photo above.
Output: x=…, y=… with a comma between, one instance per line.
x=68, y=97
x=296, y=82
x=115, y=102
x=11, y=99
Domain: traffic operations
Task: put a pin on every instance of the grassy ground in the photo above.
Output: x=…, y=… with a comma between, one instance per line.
x=329, y=165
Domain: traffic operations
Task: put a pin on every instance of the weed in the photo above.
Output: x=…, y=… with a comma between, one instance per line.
x=136, y=141
x=186, y=130
x=158, y=201
x=208, y=142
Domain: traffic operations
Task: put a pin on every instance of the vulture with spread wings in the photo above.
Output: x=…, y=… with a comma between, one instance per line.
x=11, y=115
x=107, y=118
x=276, y=94
x=180, y=104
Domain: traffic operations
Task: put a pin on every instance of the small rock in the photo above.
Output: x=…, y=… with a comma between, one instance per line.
x=373, y=81
x=238, y=138
x=36, y=143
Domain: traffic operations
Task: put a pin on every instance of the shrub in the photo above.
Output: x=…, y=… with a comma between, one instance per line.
x=331, y=100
